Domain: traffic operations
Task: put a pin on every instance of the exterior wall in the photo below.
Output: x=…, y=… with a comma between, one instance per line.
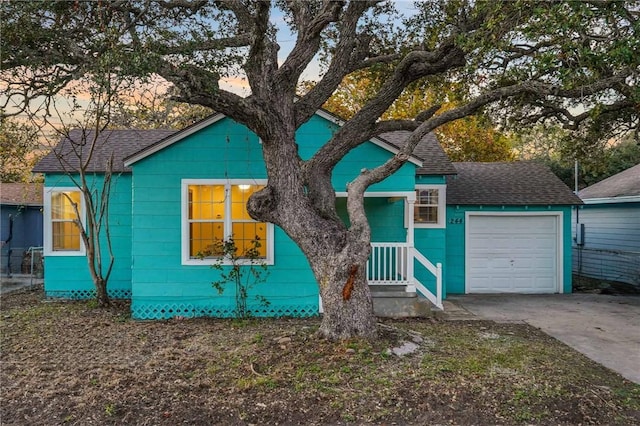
x=455, y=236
x=317, y=130
x=162, y=286
x=68, y=276
x=432, y=243
x=27, y=232
x=386, y=218
x=611, y=248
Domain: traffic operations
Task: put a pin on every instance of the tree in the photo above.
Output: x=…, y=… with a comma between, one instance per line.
x=151, y=107
x=18, y=150
x=472, y=138
x=558, y=149
x=80, y=129
x=538, y=59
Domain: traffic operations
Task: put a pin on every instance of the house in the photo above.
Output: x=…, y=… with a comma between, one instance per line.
x=20, y=226
x=437, y=227
x=607, y=246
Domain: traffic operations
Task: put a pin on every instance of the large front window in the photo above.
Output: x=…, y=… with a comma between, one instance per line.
x=216, y=211
x=64, y=210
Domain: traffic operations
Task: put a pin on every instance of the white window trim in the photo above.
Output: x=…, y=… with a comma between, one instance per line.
x=442, y=206
x=48, y=228
x=184, y=201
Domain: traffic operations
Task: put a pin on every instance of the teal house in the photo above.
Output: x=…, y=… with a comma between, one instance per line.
x=438, y=227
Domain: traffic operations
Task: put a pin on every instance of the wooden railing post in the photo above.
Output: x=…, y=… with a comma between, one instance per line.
x=439, y=285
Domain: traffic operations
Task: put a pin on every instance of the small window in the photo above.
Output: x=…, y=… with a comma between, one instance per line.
x=429, y=208
x=217, y=211
x=63, y=208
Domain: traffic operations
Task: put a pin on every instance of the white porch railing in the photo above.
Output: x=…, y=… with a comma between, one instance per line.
x=393, y=264
x=388, y=264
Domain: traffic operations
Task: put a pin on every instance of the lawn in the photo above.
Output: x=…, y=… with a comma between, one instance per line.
x=70, y=363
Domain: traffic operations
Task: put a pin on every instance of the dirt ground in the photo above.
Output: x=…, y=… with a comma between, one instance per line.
x=69, y=363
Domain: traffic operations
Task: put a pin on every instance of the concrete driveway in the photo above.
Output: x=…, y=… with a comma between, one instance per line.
x=604, y=328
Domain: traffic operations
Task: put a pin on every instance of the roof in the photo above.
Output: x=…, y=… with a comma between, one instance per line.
x=515, y=183
x=21, y=194
x=624, y=186
x=429, y=150
x=122, y=143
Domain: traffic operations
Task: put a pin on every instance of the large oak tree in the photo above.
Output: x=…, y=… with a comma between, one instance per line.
x=573, y=60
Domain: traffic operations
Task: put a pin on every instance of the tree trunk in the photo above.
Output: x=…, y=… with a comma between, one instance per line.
x=101, y=293
x=346, y=299
x=304, y=207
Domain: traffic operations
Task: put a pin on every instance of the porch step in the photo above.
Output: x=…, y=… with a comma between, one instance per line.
x=394, y=302
x=396, y=294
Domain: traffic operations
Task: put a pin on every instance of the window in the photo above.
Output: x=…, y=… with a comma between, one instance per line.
x=62, y=234
x=214, y=211
x=429, y=208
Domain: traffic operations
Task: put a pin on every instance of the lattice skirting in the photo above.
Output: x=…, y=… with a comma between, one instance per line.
x=152, y=311
x=114, y=293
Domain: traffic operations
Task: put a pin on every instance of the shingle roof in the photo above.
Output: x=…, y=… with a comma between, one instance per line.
x=517, y=183
x=122, y=143
x=623, y=184
x=435, y=161
x=21, y=194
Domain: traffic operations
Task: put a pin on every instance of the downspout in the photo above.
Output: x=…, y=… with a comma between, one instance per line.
x=575, y=191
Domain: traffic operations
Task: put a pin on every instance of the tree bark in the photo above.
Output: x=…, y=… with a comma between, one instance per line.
x=347, y=303
x=102, y=297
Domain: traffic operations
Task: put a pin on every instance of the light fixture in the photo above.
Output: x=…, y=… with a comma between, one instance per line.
x=244, y=187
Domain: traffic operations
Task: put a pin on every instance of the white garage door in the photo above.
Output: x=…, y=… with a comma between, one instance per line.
x=512, y=254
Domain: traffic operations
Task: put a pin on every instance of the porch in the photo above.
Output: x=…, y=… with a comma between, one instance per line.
x=395, y=264
x=391, y=267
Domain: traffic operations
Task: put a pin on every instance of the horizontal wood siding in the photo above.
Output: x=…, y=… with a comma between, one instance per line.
x=431, y=242
x=27, y=232
x=68, y=276
x=162, y=286
x=611, y=249
x=455, y=237
x=317, y=130
x=386, y=218
x=611, y=226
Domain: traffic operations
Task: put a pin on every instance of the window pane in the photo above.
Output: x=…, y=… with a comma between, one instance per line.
x=203, y=237
x=66, y=236
x=62, y=204
x=426, y=214
x=239, y=196
x=244, y=235
x=427, y=196
x=206, y=201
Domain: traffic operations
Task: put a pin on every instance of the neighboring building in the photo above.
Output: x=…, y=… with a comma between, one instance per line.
x=20, y=225
x=608, y=246
x=493, y=228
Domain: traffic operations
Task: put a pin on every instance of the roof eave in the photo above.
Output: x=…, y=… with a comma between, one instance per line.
x=170, y=140
x=612, y=200
x=376, y=140
x=132, y=159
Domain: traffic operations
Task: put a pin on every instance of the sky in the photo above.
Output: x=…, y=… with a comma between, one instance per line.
x=285, y=39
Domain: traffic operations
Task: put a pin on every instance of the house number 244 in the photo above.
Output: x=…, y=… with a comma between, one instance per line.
x=455, y=220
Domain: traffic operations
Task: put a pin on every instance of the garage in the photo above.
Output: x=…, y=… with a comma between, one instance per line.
x=513, y=253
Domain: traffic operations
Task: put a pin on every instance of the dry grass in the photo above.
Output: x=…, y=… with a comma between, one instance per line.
x=67, y=363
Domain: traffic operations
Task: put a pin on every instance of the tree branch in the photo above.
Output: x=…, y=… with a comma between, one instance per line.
x=341, y=62
x=308, y=42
